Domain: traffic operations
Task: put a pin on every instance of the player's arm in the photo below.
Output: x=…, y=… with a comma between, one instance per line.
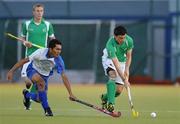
x=15, y=67
x=26, y=43
x=51, y=32
x=117, y=66
x=120, y=73
x=128, y=62
x=67, y=85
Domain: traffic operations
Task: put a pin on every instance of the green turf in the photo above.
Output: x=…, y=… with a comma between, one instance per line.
x=165, y=100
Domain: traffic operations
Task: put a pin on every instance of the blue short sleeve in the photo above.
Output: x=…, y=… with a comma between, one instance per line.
x=60, y=66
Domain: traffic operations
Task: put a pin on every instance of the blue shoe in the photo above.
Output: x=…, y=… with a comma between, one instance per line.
x=26, y=101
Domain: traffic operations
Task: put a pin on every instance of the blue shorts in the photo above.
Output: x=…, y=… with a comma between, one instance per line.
x=31, y=71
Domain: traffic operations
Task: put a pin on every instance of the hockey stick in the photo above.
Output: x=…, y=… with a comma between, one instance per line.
x=134, y=113
x=22, y=40
x=113, y=114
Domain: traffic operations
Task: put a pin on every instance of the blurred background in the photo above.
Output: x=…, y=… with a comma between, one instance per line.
x=84, y=27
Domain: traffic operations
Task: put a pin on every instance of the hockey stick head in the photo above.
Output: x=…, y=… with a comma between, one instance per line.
x=113, y=114
x=116, y=114
x=135, y=113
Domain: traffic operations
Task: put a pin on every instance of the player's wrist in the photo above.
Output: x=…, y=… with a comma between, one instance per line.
x=125, y=79
x=24, y=43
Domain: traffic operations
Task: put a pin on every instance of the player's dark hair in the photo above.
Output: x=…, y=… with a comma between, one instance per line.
x=53, y=43
x=120, y=30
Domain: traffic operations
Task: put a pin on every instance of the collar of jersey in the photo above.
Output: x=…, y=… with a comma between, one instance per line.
x=49, y=56
x=42, y=20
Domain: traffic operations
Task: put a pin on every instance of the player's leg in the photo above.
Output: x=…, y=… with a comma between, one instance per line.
x=119, y=81
x=111, y=90
x=119, y=89
x=28, y=83
x=115, y=84
x=108, y=99
x=24, y=76
x=119, y=85
x=104, y=97
x=32, y=95
x=40, y=95
x=42, y=86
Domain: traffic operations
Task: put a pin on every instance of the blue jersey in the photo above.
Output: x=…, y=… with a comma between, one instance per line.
x=59, y=65
x=45, y=65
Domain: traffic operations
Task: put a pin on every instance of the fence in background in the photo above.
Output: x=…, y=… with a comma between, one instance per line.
x=83, y=43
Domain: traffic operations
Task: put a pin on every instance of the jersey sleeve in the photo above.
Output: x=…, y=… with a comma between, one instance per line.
x=110, y=50
x=23, y=30
x=131, y=43
x=60, y=66
x=51, y=31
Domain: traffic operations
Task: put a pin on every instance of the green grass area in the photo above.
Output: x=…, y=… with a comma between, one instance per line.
x=164, y=100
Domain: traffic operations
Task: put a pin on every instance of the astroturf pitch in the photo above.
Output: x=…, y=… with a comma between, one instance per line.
x=164, y=100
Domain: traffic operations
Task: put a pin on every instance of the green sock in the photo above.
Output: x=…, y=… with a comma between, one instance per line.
x=105, y=97
x=111, y=90
x=33, y=89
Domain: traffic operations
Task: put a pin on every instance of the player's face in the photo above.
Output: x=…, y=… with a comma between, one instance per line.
x=120, y=38
x=38, y=13
x=56, y=50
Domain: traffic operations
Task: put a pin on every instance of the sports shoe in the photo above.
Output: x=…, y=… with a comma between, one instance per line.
x=26, y=101
x=103, y=102
x=48, y=112
x=110, y=107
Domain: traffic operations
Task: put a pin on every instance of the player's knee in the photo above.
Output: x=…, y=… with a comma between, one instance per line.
x=41, y=86
x=28, y=85
x=39, y=81
x=112, y=75
x=119, y=89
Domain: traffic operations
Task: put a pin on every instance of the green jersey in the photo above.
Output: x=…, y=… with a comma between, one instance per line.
x=36, y=33
x=114, y=49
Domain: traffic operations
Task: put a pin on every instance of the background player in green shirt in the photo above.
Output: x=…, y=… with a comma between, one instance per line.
x=37, y=31
x=116, y=61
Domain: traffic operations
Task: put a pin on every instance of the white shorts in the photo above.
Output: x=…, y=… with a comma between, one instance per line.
x=108, y=63
x=24, y=68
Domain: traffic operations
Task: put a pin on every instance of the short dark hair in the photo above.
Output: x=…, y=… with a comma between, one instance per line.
x=120, y=30
x=37, y=5
x=53, y=42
